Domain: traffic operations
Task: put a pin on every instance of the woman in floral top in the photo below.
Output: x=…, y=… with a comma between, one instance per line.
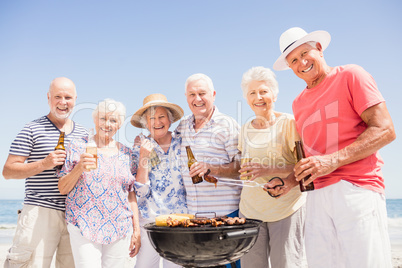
x=159, y=184
x=101, y=207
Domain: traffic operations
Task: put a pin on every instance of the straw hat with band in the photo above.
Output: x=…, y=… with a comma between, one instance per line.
x=294, y=37
x=156, y=100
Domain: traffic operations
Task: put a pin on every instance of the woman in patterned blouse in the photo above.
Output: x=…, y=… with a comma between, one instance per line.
x=101, y=207
x=159, y=184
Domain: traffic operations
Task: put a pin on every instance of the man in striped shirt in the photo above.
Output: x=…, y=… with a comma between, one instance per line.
x=41, y=228
x=213, y=138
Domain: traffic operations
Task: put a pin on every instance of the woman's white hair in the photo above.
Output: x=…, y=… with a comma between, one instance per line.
x=200, y=76
x=110, y=106
x=143, y=119
x=260, y=73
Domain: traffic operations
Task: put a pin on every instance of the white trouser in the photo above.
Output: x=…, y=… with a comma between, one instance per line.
x=88, y=254
x=346, y=226
x=148, y=257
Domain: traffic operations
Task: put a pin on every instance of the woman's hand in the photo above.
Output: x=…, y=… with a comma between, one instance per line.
x=146, y=148
x=87, y=160
x=251, y=171
x=255, y=170
x=135, y=244
x=277, y=191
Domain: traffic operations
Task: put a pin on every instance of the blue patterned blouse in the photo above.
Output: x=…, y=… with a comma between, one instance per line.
x=164, y=193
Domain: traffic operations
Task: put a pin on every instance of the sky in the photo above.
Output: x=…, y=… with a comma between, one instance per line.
x=126, y=50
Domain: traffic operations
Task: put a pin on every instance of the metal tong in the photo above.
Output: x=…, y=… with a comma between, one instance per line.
x=241, y=183
x=247, y=183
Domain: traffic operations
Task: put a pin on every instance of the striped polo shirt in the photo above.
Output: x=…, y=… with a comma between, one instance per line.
x=35, y=141
x=215, y=143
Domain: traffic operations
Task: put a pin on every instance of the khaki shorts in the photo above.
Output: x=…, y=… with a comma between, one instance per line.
x=41, y=232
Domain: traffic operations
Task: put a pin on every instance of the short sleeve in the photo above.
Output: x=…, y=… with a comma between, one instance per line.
x=23, y=143
x=73, y=151
x=363, y=88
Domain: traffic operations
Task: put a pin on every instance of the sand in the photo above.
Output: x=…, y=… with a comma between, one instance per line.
x=396, y=256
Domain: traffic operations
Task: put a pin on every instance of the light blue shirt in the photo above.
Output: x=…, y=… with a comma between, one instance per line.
x=164, y=192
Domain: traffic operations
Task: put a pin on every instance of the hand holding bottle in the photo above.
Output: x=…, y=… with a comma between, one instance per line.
x=194, y=173
x=149, y=151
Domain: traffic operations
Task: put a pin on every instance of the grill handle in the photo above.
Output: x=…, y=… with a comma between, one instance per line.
x=239, y=234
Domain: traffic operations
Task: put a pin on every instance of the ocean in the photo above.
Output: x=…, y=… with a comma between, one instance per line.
x=9, y=216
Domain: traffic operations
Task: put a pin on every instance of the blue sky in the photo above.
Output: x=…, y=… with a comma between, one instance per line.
x=126, y=50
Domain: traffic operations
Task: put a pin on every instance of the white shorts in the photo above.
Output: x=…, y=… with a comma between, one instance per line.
x=41, y=232
x=346, y=226
x=88, y=254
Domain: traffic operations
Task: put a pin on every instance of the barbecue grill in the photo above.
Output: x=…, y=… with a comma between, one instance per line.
x=205, y=245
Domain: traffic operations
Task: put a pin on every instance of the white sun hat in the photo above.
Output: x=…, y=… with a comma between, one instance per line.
x=294, y=37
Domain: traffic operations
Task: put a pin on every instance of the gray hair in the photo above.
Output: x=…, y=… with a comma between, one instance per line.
x=199, y=76
x=260, y=73
x=143, y=119
x=110, y=106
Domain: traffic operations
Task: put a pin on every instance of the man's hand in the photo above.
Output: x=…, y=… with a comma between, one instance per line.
x=316, y=166
x=199, y=168
x=54, y=159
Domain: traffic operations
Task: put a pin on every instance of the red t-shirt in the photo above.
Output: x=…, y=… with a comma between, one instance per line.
x=328, y=119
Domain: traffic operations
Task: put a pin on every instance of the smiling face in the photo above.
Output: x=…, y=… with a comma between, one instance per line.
x=200, y=99
x=307, y=63
x=158, y=122
x=260, y=98
x=106, y=125
x=61, y=98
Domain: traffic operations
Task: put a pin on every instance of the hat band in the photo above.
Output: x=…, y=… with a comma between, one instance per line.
x=155, y=101
x=289, y=46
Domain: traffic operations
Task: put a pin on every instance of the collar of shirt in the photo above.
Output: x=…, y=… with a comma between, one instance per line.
x=191, y=120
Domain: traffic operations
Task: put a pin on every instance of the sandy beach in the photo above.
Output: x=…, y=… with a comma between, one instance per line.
x=396, y=256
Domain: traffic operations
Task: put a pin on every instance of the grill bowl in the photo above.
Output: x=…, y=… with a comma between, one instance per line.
x=203, y=246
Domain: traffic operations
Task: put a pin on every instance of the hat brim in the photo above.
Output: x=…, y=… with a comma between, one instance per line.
x=322, y=37
x=176, y=110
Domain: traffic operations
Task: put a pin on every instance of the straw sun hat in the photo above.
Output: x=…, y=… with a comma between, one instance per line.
x=294, y=37
x=156, y=100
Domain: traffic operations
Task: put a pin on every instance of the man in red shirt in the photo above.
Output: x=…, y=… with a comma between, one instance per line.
x=343, y=121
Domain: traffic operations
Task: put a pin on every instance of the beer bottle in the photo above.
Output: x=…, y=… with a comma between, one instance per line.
x=300, y=155
x=60, y=146
x=191, y=160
